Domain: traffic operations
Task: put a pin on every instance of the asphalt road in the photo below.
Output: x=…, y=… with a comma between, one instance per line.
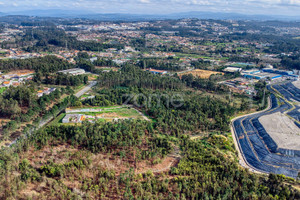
x=85, y=89
x=43, y=123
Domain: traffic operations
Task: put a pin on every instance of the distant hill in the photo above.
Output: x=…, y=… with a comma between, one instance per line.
x=133, y=17
x=200, y=15
x=51, y=13
x=235, y=16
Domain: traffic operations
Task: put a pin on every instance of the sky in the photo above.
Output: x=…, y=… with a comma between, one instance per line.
x=266, y=7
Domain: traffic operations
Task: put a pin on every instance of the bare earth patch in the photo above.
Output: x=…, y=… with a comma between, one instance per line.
x=30, y=191
x=282, y=130
x=58, y=154
x=21, y=72
x=202, y=73
x=164, y=165
x=109, y=115
x=62, y=153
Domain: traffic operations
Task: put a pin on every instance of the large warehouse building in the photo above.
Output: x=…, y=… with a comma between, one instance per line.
x=261, y=76
x=277, y=71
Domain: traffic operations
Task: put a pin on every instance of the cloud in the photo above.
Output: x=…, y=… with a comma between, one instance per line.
x=145, y=1
x=290, y=3
x=280, y=7
x=197, y=2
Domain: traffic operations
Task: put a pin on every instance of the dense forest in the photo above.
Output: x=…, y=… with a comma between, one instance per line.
x=160, y=64
x=60, y=79
x=200, y=64
x=135, y=77
x=291, y=62
x=45, y=37
x=21, y=104
x=43, y=64
x=104, y=62
x=244, y=59
x=175, y=112
x=205, y=84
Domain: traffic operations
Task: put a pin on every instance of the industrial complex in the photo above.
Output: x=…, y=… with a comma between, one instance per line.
x=245, y=83
x=269, y=74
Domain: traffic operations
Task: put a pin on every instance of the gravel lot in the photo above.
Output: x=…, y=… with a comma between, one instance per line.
x=282, y=130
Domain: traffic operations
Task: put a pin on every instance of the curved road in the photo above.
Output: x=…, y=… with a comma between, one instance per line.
x=243, y=162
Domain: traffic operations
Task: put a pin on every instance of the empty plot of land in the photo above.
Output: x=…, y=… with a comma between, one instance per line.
x=112, y=113
x=107, y=68
x=282, y=130
x=21, y=72
x=201, y=73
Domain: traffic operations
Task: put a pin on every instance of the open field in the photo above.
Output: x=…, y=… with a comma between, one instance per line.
x=182, y=55
x=92, y=77
x=21, y=72
x=242, y=65
x=205, y=74
x=112, y=113
x=282, y=130
x=107, y=68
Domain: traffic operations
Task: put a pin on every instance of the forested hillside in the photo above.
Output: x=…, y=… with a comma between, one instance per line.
x=67, y=166
x=43, y=64
x=47, y=37
x=116, y=160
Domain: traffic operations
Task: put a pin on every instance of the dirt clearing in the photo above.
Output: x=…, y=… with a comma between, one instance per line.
x=205, y=74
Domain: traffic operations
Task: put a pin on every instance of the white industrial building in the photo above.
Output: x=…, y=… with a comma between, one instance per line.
x=232, y=69
x=74, y=71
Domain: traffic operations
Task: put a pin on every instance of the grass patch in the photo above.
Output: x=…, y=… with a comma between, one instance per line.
x=57, y=120
x=205, y=74
x=78, y=88
x=110, y=113
x=121, y=112
x=3, y=89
